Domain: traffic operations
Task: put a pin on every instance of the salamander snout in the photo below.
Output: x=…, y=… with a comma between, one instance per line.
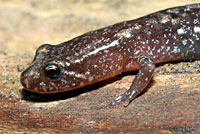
x=26, y=79
x=29, y=79
x=43, y=77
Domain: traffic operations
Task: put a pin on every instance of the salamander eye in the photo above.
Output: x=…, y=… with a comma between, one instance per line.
x=53, y=70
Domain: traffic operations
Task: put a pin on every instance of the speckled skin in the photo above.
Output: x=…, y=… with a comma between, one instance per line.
x=169, y=35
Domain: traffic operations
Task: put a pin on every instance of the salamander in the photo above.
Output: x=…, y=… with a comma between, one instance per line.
x=169, y=35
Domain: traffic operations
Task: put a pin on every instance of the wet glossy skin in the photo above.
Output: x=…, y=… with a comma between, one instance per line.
x=169, y=35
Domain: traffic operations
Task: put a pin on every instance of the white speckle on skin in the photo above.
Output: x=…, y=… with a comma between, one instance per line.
x=67, y=58
x=125, y=33
x=197, y=38
x=174, y=36
x=151, y=53
x=132, y=93
x=167, y=41
x=158, y=50
x=87, y=73
x=112, y=44
x=174, y=21
x=165, y=19
x=162, y=47
x=118, y=99
x=196, y=21
x=176, y=49
x=35, y=74
x=137, y=26
x=148, y=48
x=184, y=42
x=164, y=35
x=72, y=73
x=73, y=84
x=197, y=29
x=77, y=61
x=42, y=84
x=192, y=41
x=168, y=48
x=90, y=79
x=67, y=63
x=180, y=31
x=137, y=52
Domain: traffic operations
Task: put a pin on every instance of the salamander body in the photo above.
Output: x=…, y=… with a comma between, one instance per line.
x=168, y=35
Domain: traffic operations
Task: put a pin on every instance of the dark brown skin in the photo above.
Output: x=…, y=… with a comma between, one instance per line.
x=169, y=35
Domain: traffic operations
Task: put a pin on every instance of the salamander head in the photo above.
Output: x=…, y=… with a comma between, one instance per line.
x=73, y=64
x=49, y=72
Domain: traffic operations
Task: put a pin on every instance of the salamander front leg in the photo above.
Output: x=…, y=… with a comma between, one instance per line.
x=142, y=79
